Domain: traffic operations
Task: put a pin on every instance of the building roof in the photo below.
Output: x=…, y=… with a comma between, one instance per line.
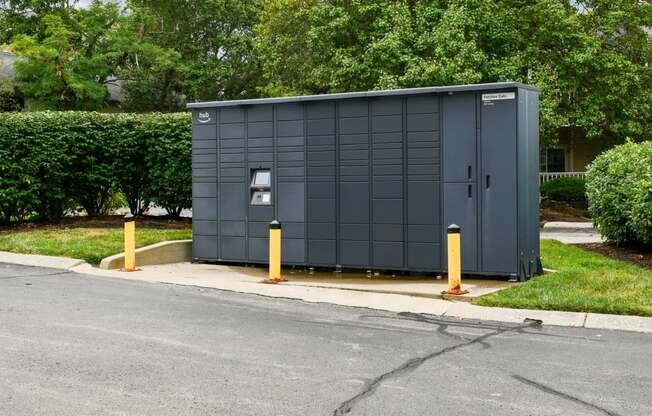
x=7, y=65
x=364, y=94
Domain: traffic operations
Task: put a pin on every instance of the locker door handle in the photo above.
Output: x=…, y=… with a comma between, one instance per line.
x=470, y=172
x=470, y=191
x=488, y=181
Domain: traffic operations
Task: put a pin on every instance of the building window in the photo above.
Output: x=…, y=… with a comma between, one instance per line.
x=552, y=160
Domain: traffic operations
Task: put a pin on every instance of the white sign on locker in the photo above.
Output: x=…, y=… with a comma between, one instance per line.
x=499, y=96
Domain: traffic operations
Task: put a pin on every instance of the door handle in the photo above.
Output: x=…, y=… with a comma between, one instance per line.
x=470, y=191
x=470, y=172
x=488, y=181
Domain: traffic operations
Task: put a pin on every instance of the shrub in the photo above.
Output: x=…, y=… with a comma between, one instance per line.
x=53, y=161
x=169, y=141
x=565, y=189
x=619, y=190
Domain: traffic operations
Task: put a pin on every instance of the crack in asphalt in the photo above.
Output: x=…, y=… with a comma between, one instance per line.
x=413, y=363
x=550, y=390
x=470, y=324
x=34, y=275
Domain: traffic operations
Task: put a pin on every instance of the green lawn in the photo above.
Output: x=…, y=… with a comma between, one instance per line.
x=90, y=244
x=585, y=282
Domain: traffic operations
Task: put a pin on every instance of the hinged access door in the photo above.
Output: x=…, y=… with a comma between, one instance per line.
x=459, y=191
x=498, y=182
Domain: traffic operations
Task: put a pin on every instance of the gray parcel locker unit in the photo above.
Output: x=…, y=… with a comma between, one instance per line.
x=371, y=179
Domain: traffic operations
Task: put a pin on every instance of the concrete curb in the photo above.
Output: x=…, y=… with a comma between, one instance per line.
x=562, y=225
x=229, y=280
x=234, y=281
x=37, y=260
x=165, y=252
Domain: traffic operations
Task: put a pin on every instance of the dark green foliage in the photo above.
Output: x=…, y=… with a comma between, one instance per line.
x=619, y=190
x=565, y=190
x=51, y=162
x=591, y=63
x=168, y=161
x=9, y=98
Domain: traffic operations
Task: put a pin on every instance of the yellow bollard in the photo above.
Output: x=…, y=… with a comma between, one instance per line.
x=454, y=262
x=130, y=243
x=274, y=253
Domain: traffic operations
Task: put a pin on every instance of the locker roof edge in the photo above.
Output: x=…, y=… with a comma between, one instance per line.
x=366, y=94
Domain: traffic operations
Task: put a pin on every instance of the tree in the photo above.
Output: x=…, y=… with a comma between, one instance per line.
x=80, y=54
x=590, y=64
x=23, y=17
x=214, y=40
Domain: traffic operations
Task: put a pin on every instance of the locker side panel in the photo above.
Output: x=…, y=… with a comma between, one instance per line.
x=204, y=184
x=499, y=186
x=528, y=183
x=533, y=178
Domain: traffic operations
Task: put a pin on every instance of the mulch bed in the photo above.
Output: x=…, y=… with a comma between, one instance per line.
x=561, y=211
x=109, y=221
x=637, y=255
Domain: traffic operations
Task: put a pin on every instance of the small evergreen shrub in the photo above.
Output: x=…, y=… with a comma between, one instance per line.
x=619, y=190
x=565, y=189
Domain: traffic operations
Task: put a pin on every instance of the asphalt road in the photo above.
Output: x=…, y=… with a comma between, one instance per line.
x=79, y=345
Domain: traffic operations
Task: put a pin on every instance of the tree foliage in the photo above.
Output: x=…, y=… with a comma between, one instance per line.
x=77, y=55
x=161, y=53
x=590, y=60
x=214, y=39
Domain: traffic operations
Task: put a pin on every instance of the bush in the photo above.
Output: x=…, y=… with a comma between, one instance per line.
x=169, y=162
x=51, y=162
x=619, y=190
x=565, y=190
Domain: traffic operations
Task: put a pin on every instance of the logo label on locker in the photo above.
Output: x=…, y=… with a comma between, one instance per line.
x=204, y=117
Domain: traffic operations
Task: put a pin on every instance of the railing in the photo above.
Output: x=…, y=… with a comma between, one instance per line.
x=546, y=176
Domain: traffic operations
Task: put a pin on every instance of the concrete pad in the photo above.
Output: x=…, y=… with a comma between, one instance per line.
x=413, y=285
x=468, y=311
x=53, y=262
x=619, y=322
x=165, y=252
x=564, y=225
x=240, y=279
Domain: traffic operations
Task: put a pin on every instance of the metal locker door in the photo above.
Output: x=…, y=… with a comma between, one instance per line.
x=459, y=128
x=459, y=190
x=498, y=183
x=461, y=208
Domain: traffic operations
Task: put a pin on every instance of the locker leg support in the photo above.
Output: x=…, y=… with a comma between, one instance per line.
x=454, y=262
x=274, y=253
x=130, y=244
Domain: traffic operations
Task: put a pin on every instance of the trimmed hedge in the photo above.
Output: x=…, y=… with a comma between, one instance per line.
x=619, y=190
x=51, y=162
x=565, y=189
